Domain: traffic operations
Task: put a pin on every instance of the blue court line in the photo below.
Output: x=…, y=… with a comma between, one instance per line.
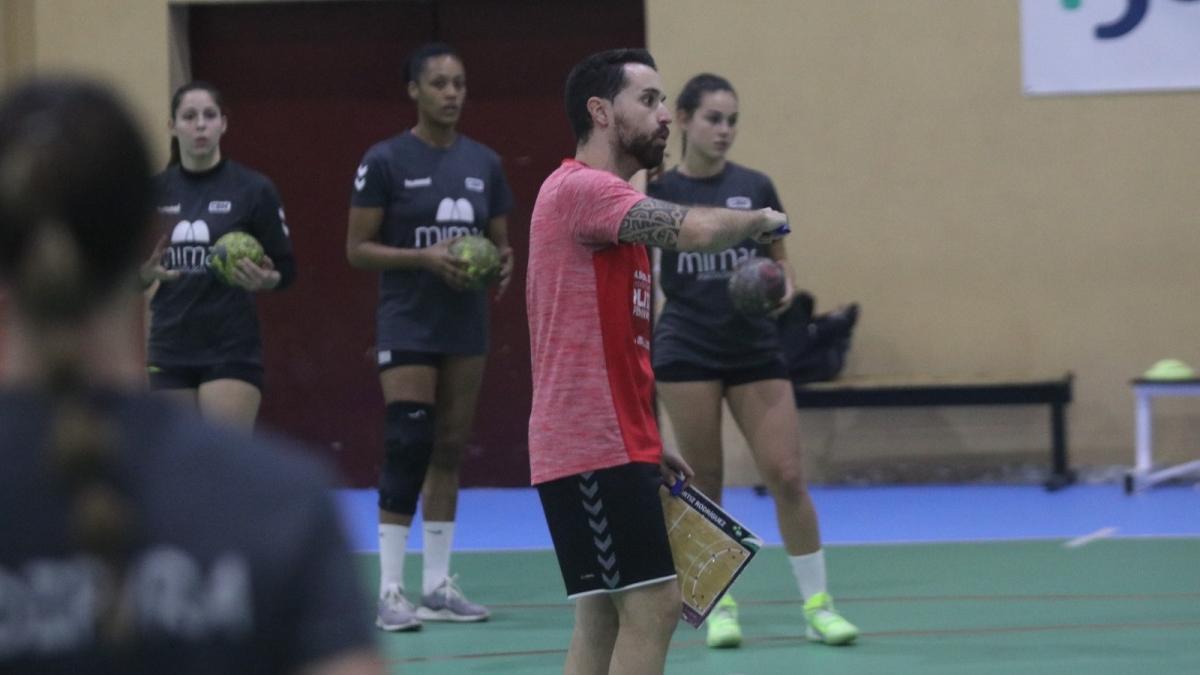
x=511, y=518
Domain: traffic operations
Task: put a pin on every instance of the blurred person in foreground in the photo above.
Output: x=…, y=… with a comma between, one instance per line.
x=138, y=537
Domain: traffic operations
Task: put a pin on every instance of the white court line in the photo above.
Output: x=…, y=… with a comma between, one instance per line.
x=1102, y=533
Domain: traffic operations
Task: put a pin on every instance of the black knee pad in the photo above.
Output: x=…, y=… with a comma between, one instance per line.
x=408, y=445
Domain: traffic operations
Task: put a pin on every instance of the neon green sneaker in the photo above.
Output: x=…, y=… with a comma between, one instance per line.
x=825, y=624
x=723, y=629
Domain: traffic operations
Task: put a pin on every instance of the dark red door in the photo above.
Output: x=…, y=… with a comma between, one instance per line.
x=309, y=86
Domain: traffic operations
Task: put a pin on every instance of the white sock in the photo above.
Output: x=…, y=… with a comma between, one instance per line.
x=437, y=539
x=809, y=571
x=393, y=540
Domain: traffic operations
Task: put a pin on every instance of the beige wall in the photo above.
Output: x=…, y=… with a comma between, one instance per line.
x=121, y=41
x=982, y=230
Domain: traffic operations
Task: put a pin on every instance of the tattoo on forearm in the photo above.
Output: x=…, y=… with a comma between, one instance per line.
x=654, y=222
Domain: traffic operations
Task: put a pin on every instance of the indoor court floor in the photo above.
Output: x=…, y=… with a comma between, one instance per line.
x=980, y=579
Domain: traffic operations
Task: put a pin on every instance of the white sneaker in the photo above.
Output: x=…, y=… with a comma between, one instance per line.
x=395, y=612
x=447, y=603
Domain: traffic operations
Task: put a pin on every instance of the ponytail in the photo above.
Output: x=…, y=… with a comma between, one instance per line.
x=84, y=444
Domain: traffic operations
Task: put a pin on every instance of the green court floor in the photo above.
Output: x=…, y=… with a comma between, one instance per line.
x=1113, y=606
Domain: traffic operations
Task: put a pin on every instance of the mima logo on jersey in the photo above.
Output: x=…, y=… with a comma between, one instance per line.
x=448, y=211
x=189, y=247
x=712, y=265
x=190, y=231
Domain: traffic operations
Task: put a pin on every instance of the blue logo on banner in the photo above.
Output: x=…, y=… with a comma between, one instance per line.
x=1135, y=11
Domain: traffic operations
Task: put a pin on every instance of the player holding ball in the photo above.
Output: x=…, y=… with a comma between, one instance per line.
x=204, y=346
x=706, y=352
x=420, y=205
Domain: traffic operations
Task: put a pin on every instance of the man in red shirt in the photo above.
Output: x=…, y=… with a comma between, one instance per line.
x=595, y=452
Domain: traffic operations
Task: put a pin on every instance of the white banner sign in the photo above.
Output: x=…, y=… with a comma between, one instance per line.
x=1089, y=46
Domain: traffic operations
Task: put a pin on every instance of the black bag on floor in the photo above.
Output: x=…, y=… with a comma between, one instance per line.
x=815, y=345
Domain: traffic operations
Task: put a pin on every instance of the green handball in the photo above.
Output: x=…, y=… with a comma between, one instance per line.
x=231, y=248
x=482, y=258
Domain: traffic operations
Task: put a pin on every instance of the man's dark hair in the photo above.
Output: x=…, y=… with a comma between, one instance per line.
x=416, y=61
x=601, y=75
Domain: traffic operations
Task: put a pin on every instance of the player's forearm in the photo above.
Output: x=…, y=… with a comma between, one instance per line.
x=778, y=253
x=285, y=270
x=497, y=231
x=655, y=222
x=715, y=229
x=376, y=257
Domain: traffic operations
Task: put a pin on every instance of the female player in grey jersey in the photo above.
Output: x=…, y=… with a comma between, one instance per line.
x=137, y=537
x=204, y=346
x=704, y=352
x=413, y=194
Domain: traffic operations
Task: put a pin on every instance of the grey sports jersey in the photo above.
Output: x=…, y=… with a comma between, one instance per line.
x=429, y=194
x=698, y=324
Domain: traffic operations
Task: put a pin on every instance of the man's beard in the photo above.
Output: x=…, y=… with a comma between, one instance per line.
x=644, y=148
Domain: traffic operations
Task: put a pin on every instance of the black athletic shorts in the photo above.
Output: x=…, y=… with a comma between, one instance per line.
x=394, y=358
x=608, y=529
x=681, y=371
x=191, y=377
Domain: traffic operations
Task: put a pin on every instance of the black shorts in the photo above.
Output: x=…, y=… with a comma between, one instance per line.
x=680, y=371
x=608, y=529
x=191, y=377
x=394, y=358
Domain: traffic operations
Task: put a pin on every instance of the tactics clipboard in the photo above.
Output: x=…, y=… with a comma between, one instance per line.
x=710, y=549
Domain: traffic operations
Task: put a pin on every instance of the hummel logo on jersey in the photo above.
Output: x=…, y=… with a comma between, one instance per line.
x=172, y=209
x=360, y=179
x=220, y=207
x=738, y=202
x=418, y=182
x=188, y=232
x=455, y=211
x=416, y=415
x=474, y=184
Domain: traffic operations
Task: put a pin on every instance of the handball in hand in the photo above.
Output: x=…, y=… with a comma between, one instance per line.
x=482, y=258
x=757, y=286
x=231, y=248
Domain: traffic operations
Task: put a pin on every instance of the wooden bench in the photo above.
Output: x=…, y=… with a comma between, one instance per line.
x=900, y=391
